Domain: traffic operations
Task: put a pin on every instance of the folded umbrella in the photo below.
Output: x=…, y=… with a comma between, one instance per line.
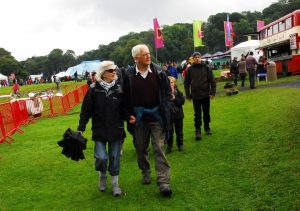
x=73, y=144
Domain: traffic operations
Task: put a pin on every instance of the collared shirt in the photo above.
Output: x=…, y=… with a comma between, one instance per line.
x=144, y=74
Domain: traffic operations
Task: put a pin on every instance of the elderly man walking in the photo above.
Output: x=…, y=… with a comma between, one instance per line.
x=148, y=93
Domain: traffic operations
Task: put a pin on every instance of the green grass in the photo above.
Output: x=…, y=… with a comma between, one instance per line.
x=251, y=162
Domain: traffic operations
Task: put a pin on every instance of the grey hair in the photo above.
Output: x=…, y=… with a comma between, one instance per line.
x=137, y=49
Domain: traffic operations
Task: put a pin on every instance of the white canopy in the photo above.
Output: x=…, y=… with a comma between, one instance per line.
x=61, y=74
x=3, y=77
x=84, y=66
x=245, y=48
x=36, y=76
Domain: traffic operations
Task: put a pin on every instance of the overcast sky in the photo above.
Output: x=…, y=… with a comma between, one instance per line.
x=35, y=27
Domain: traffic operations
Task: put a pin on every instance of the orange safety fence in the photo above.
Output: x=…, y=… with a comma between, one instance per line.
x=23, y=111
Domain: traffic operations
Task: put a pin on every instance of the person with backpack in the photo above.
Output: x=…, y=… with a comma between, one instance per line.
x=200, y=86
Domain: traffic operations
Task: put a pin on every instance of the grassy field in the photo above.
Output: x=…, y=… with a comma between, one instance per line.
x=251, y=162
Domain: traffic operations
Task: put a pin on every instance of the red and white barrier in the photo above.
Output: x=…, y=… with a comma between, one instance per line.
x=23, y=111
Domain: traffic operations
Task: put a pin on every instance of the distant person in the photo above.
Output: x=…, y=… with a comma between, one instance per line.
x=173, y=70
x=234, y=70
x=76, y=76
x=15, y=87
x=91, y=79
x=57, y=82
x=179, y=71
x=242, y=70
x=34, y=105
x=147, y=94
x=103, y=103
x=177, y=116
x=165, y=69
x=200, y=86
x=261, y=67
x=251, y=68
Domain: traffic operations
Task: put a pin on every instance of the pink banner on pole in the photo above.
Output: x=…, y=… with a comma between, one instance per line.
x=260, y=24
x=228, y=31
x=158, y=36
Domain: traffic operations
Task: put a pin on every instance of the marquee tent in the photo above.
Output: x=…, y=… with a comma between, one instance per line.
x=245, y=48
x=3, y=77
x=84, y=66
x=36, y=76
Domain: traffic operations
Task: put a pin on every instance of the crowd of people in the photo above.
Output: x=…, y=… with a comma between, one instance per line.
x=146, y=98
x=248, y=66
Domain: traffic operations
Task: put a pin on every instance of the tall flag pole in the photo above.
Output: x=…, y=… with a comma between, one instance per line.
x=158, y=36
x=228, y=31
x=197, y=33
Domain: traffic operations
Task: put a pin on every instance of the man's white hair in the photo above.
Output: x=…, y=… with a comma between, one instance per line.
x=137, y=49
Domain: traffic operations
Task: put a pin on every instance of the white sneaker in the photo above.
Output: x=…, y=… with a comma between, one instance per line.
x=116, y=190
x=102, y=184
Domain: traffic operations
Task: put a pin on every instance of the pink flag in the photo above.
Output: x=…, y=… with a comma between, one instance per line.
x=228, y=31
x=260, y=24
x=158, y=36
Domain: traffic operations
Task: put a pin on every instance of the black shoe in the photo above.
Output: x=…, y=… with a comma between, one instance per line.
x=166, y=191
x=180, y=147
x=146, y=180
x=169, y=149
x=208, y=132
x=198, y=135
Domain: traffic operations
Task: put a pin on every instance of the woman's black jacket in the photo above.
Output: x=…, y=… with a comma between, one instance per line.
x=106, y=110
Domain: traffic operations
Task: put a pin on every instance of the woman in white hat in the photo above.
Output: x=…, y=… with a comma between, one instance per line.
x=103, y=103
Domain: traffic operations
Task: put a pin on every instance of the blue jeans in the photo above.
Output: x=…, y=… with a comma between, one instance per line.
x=101, y=157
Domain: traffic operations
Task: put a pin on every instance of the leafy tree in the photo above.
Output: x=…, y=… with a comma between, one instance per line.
x=55, y=60
x=9, y=65
x=4, y=52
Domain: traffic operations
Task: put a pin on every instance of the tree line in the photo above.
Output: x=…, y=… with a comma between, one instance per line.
x=178, y=41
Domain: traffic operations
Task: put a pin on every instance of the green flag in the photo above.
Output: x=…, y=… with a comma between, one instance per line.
x=198, y=33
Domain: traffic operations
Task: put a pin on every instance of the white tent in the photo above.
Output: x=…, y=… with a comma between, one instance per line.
x=3, y=77
x=84, y=66
x=245, y=48
x=36, y=76
x=61, y=74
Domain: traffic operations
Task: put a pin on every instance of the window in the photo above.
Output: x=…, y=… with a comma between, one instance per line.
x=269, y=31
x=275, y=29
x=288, y=23
x=281, y=26
x=263, y=34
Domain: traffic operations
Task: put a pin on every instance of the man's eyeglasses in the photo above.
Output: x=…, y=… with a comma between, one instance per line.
x=111, y=70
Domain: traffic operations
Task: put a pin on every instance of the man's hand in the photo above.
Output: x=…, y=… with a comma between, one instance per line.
x=132, y=119
x=212, y=97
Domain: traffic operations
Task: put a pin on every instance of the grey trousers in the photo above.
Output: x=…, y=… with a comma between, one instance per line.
x=143, y=133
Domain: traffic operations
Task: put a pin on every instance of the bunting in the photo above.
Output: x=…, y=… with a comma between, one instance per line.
x=158, y=36
x=198, y=33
